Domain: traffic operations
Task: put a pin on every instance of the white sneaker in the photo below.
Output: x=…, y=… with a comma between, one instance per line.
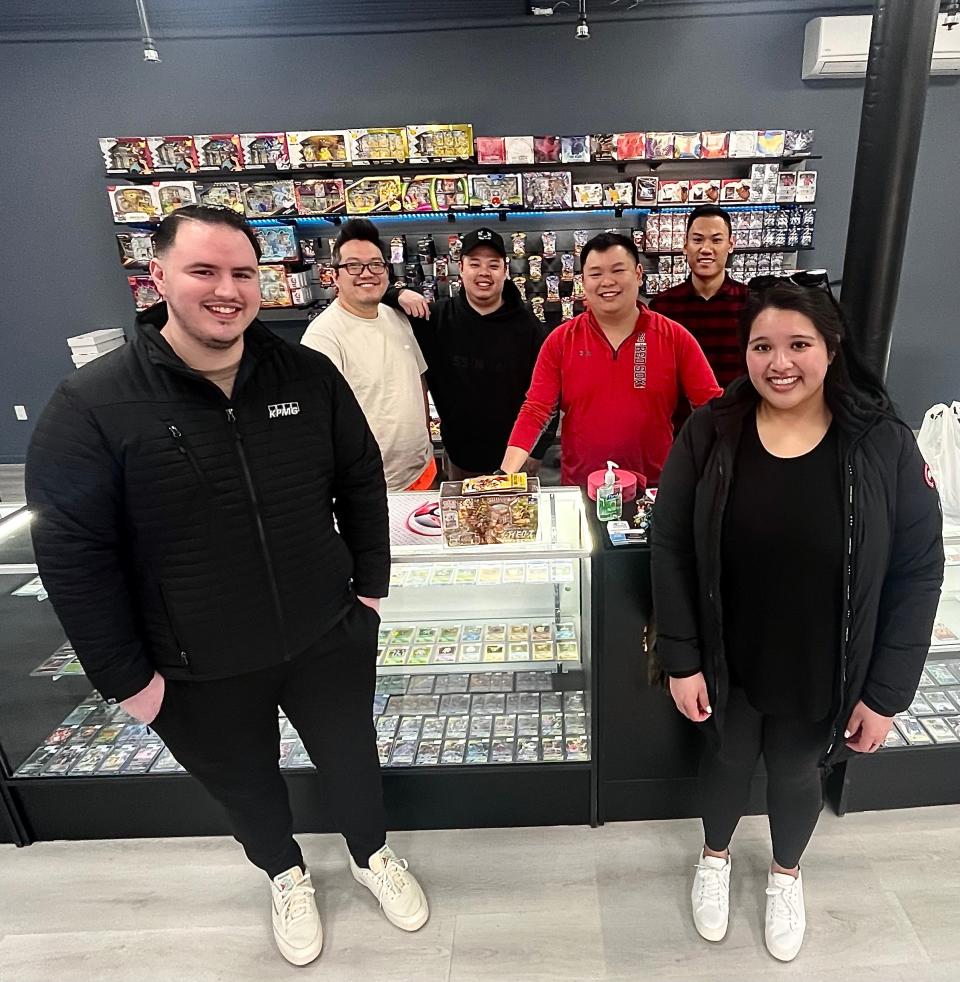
x=710, y=897
x=296, y=920
x=786, y=918
x=396, y=889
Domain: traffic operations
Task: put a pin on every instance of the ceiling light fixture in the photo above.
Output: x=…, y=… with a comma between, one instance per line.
x=583, y=28
x=150, y=52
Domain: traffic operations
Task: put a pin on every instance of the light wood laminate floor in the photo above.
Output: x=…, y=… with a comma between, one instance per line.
x=545, y=904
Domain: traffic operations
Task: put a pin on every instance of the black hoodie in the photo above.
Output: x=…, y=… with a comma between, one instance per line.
x=478, y=371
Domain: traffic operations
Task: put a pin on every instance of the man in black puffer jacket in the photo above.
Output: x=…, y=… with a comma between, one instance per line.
x=184, y=491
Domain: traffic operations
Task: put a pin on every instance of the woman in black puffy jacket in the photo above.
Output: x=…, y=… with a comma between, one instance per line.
x=797, y=565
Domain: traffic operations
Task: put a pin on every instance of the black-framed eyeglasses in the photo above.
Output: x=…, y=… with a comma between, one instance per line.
x=355, y=267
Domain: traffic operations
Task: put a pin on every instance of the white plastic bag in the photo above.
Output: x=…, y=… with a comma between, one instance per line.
x=939, y=442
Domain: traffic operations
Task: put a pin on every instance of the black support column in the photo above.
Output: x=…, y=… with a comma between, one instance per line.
x=898, y=73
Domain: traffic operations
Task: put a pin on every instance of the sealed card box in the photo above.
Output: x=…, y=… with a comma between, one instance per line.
x=264, y=151
x=431, y=142
x=125, y=154
x=316, y=148
x=494, y=510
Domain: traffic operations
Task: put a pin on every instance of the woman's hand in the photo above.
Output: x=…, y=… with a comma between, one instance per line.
x=690, y=695
x=866, y=730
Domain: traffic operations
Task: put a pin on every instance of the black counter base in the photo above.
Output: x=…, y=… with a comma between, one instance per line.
x=175, y=805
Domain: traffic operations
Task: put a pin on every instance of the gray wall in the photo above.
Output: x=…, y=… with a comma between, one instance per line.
x=58, y=268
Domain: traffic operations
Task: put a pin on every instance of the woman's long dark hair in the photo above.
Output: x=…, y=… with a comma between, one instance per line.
x=848, y=379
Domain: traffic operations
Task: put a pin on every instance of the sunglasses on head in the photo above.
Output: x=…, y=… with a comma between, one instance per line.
x=817, y=279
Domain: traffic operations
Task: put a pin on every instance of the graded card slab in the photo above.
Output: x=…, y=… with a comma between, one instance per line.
x=543, y=651
x=478, y=752
x=84, y=734
x=419, y=655
x=529, y=702
x=391, y=685
x=402, y=635
x=574, y=724
x=577, y=748
x=920, y=706
x=384, y=749
x=387, y=726
x=37, y=762
x=470, y=653
x=941, y=674
x=466, y=575
x=939, y=701
x=453, y=751
x=454, y=704
x=449, y=634
x=79, y=714
x=505, y=726
x=528, y=725
x=550, y=702
x=894, y=739
x=940, y=730
x=472, y=632
x=552, y=748
x=409, y=728
x=501, y=751
x=92, y=758
x=490, y=574
x=514, y=572
x=481, y=726
x=573, y=701
x=538, y=571
x=396, y=656
x=954, y=723
x=551, y=724
x=518, y=651
x=528, y=750
x=399, y=576
x=943, y=634
x=428, y=753
x=419, y=576
x=568, y=651
x=442, y=574
x=299, y=758
x=32, y=588
x=494, y=653
x=927, y=681
x=496, y=633
x=143, y=757
x=454, y=682
x=562, y=570
x=421, y=685
x=519, y=632
x=489, y=703
x=542, y=632
x=117, y=757
x=60, y=736
x=404, y=752
x=954, y=694
x=433, y=727
x=457, y=727
x=566, y=631
x=108, y=733
x=912, y=730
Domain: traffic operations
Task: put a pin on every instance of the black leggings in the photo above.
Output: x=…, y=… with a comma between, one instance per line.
x=791, y=751
x=225, y=733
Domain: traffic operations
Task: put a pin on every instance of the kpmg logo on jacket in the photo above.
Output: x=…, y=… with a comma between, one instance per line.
x=283, y=409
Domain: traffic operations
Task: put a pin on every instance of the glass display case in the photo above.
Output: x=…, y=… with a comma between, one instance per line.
x=484, y=663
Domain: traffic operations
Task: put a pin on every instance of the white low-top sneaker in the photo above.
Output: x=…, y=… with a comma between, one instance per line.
x=786, y=919
x=710, y=897
x=296, y=920
x=396, y=889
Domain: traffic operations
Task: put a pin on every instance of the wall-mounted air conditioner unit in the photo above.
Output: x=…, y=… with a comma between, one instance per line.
x=837, y=47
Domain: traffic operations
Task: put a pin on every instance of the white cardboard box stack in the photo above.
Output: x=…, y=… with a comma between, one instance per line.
x=86, y=347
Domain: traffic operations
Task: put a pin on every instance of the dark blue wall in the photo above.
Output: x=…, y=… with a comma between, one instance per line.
x=58, y=267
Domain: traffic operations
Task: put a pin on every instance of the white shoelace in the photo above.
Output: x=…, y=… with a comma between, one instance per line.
x=296, y=903
x=391, y=878
x=711, y=886
x=786, y=905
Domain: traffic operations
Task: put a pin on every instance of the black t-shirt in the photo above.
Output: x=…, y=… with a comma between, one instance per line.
x=782, y=576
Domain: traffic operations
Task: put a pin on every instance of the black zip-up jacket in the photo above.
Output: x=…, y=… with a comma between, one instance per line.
x=178, y=530
x=478, y=372
x=893, y=566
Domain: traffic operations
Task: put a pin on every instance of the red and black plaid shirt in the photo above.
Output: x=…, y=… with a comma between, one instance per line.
x=713, y=322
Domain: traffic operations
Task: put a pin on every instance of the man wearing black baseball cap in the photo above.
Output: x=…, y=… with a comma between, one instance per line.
x=480, y=347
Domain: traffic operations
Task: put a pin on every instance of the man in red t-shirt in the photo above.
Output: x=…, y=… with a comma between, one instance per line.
x=617, y=373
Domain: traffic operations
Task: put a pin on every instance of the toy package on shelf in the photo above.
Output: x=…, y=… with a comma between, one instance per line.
x=432, y=142
x=323, y=196
x=278, y=244
x=274, y=291
x=316, y=148
x=136, y=249
x=374, y=194
x=175, y=194
x=265, y=151
x=491, y=150
x=575, y=149
x=770, y=143
x=435, y=192
x=496, y=191
x=743, y=143
x=787, y=186
x=378, y=145
x=618, y=194
x=806, y=186
x=144, y=290
x=798, y=143
x=734, y=191
x=125, y=154
x=269, y=199
x=630, y=146
x=645, y=191
x=587, y=195
x=673, y=192
x=219, y=152
x=518, y=149
x=173, y=154
x=548, y=189
x=714, y=144
x=705, y=191
x=134, y=203
x=223, y=194
x=603, y=146
x=687, y=146
x=660, y=146
x=546, y=149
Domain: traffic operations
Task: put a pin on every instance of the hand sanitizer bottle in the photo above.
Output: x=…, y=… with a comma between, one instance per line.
x=609, y=495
